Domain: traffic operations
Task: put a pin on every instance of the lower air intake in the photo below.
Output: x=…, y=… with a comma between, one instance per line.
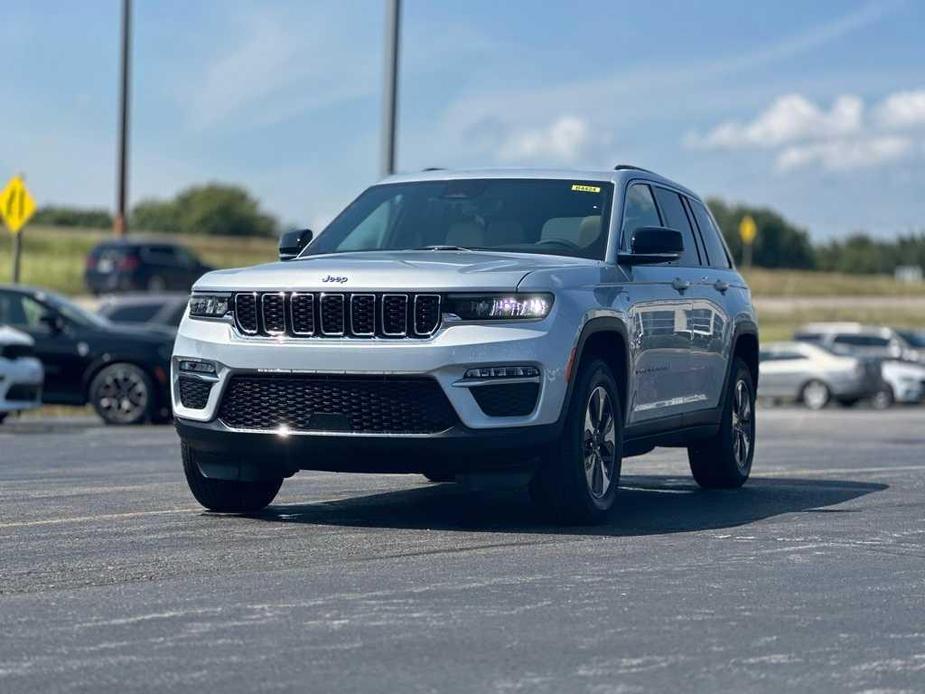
x=359, y=404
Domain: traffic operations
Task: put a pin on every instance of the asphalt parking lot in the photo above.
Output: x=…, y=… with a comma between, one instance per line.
x=812, y=578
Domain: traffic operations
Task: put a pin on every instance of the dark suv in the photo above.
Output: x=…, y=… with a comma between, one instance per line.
x=121, y=371
x=132, y=265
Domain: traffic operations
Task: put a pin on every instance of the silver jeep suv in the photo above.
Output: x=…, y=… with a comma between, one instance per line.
x=540, y=324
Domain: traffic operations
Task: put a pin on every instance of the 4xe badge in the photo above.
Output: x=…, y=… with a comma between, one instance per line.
x=340, y=279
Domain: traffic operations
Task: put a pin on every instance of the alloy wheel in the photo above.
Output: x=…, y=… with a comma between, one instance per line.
x=743, y=430
x=122, y=395
x=599, y=442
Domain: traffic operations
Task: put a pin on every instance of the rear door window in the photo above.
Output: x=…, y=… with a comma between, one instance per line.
x=710, y=235
x=675, y=218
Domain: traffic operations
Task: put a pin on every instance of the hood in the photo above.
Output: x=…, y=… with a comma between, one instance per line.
x=12, y=336
x=390, y=270
x=154, y=335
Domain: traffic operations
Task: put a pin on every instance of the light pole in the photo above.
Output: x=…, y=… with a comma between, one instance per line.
x=390, y=94
x=119, y=223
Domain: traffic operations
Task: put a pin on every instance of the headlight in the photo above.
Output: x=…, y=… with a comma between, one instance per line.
x=499, y=306
x=209, y=305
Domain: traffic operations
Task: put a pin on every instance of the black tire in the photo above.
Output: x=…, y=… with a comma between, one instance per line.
x=571, y=483
x=438, y=477
x=227, y=496
x=718, y=462
x=122, y=394
x=815, y=395
x=884, y=398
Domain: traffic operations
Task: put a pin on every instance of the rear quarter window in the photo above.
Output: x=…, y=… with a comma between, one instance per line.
x=710, y=235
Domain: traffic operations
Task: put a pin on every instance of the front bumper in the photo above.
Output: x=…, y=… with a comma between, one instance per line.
x=25, y=372
x=445, y=357
x=228, y=454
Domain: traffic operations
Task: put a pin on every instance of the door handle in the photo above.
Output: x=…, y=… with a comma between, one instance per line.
x=721, y=286
x=680, y=284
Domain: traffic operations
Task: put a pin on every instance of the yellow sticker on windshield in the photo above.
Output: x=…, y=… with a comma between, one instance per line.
x=586, y=189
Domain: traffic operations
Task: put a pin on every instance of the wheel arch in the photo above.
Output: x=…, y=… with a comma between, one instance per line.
x=604, y=338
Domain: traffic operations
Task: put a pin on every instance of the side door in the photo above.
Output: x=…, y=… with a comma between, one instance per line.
x=56, y=346
x=712, y=318
x=783, y=370
x=660, y=339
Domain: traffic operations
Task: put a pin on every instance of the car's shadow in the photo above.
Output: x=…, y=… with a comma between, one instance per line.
x=648, y=505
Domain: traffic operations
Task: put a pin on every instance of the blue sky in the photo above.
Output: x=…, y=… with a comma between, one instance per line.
x=817, y=109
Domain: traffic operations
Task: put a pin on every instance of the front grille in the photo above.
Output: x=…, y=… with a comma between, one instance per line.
x=194, y=392
x=306, y=314
x=360, y=404
x=21, y=392
x=506, y=399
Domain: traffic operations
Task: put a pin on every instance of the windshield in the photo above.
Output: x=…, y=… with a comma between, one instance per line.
x=73, y=312
x=554, y=217
x=914, y=339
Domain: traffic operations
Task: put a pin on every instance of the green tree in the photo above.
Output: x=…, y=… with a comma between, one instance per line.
x=155, y=215
x=213, y=208
x=222, y=209
x=779, y=243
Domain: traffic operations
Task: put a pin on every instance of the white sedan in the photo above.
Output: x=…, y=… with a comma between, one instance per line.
x=21, y=374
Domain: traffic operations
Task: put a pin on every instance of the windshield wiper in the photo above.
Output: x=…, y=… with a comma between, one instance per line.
x=443, y=247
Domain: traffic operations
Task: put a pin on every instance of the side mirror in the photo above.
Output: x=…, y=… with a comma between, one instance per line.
x=293, y=242
x=53, y=322
x=653, y=245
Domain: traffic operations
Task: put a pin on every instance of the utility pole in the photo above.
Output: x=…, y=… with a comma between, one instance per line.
x=390, y=94
x=119, y=225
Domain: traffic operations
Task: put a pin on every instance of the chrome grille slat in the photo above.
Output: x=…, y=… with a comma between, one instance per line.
x=388, y=315
x=273, y=313
x=245, y=312
x=363, y=315
x=426, y=314
x=302, y=314
x=395, y=315
x=333, y=323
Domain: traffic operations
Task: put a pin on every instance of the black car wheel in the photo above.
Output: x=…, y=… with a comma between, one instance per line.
x=122, y=394
x=227, y=496
x=577, y=481
x=725, y=460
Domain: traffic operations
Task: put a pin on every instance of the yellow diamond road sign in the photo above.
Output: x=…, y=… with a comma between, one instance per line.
x=16, y=204
x=748, y=230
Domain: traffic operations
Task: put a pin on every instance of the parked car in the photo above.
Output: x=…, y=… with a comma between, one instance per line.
x=122, y=371
x=537, y=323
x=915, y=339
x=21, y=373
x=153, y=310
x=124, y=265
x=810, y=374
x=904, y=383
x=860, y=340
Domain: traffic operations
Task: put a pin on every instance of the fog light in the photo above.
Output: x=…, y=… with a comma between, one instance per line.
x=195, y=366
x=503, y=372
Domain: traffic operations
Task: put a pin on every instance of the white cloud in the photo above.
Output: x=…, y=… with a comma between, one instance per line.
x=902, y=109
x=845, y=155
x=790, y=118
x=563, y=141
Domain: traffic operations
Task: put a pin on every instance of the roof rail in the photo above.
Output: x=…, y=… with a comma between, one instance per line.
x=434, y=168
x=624, y=167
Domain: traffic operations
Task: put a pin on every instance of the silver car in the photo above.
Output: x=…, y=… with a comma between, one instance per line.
x=542, y=323
x=810, y=374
